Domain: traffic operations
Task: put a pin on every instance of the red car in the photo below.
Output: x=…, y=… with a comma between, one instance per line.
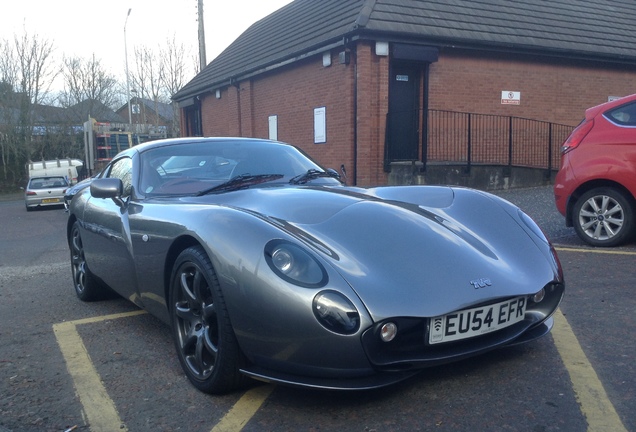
x=595, y=188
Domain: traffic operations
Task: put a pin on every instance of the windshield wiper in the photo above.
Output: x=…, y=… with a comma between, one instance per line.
x=312, y=174
x=240, y=182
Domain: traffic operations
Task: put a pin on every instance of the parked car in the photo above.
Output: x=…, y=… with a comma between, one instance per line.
x=67, y=168
x=76, y=188
x=595, y=187
x=277, y=271
x=45, y=191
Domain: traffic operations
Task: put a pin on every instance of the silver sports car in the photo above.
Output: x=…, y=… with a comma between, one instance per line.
x=266, y=266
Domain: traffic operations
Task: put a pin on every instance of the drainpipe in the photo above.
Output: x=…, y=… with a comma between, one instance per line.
x=425, y=118
x=355, y=114
x=237, y=84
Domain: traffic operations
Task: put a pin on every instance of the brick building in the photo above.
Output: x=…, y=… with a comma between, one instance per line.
x=354, y=82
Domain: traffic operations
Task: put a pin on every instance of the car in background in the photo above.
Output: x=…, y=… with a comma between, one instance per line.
x=595, y=188
x=77, y=188
x=45, y=191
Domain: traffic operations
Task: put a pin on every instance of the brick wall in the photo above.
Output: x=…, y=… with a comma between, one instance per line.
x=373, y=105
x=292, y=94
x=554, y=90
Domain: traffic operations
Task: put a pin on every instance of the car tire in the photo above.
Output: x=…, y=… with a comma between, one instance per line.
x=204, y=338
x=87, y=287
x=603, y=217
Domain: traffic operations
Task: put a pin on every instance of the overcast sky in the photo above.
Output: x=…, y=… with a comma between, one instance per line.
x=83, y=27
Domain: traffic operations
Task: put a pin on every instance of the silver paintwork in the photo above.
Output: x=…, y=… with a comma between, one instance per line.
x=412, y=252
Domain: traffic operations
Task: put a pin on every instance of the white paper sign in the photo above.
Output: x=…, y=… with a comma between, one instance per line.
x=510, y=97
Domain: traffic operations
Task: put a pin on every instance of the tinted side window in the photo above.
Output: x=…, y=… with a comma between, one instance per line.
x=122, y=169
x=623, y=115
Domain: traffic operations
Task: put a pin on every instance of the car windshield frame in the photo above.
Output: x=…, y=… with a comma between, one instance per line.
x=196, y=167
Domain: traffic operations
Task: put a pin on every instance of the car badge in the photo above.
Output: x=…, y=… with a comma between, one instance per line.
x=480, y=283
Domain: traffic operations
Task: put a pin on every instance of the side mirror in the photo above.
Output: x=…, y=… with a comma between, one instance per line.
x=112, y=188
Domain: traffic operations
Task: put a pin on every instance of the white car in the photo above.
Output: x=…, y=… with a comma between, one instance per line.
x=45, y=191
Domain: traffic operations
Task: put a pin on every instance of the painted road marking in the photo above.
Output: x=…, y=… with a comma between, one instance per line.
x=99, y=409
x=244, y=409
x=589, y=391
x=102, y=415
x=590, y=394
x=595, y=251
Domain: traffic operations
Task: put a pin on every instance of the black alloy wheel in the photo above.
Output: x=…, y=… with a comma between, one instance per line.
x=86, y=286
x=206, y=345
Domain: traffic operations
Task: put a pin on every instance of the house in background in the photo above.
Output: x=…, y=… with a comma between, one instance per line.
x=53, y=119
x=92, y=108
x=156, y=117
x=363, y=83
x=88, y=130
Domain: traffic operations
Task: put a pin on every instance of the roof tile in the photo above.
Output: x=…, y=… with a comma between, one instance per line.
x=598, y=29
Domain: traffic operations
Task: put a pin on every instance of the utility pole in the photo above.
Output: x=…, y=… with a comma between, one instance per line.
x=202, y=61
x=127, y=75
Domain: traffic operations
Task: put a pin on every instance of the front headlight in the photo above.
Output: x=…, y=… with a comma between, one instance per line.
x=293, y=264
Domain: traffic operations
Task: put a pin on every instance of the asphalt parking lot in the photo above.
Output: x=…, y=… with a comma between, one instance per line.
x=106, y=366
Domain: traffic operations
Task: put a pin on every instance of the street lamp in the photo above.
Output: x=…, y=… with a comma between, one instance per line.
x=127, y=76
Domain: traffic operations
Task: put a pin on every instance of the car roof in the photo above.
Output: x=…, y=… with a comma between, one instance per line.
x=46, y=177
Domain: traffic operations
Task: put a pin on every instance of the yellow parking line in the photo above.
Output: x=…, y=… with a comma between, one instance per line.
x=596, y=251
x=99, y=409
x=102, y=415
x=244, y=409
x=588, y=389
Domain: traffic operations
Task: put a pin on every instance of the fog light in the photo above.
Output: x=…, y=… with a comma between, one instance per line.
x=538, y=296
x=388, y=331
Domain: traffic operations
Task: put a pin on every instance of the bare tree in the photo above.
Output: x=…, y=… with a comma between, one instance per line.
x=173, y=65
x=147, y=78
x=87, y=80
x=8, y=76
x=36, y=72
x=27, y=73
x=156, y=76
x=175, y=74
x=8, y=65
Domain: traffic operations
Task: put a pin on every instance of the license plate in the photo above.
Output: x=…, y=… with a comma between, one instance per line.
x=50, y=200
x=477, y=321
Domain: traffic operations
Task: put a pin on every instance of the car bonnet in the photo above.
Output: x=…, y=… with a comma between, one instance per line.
x=414, y=252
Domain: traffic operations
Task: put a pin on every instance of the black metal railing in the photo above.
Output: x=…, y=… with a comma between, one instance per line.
x=469, y=138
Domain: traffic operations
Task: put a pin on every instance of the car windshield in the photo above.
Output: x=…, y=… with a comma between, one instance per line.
x=47, y=183
x=221, y=166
